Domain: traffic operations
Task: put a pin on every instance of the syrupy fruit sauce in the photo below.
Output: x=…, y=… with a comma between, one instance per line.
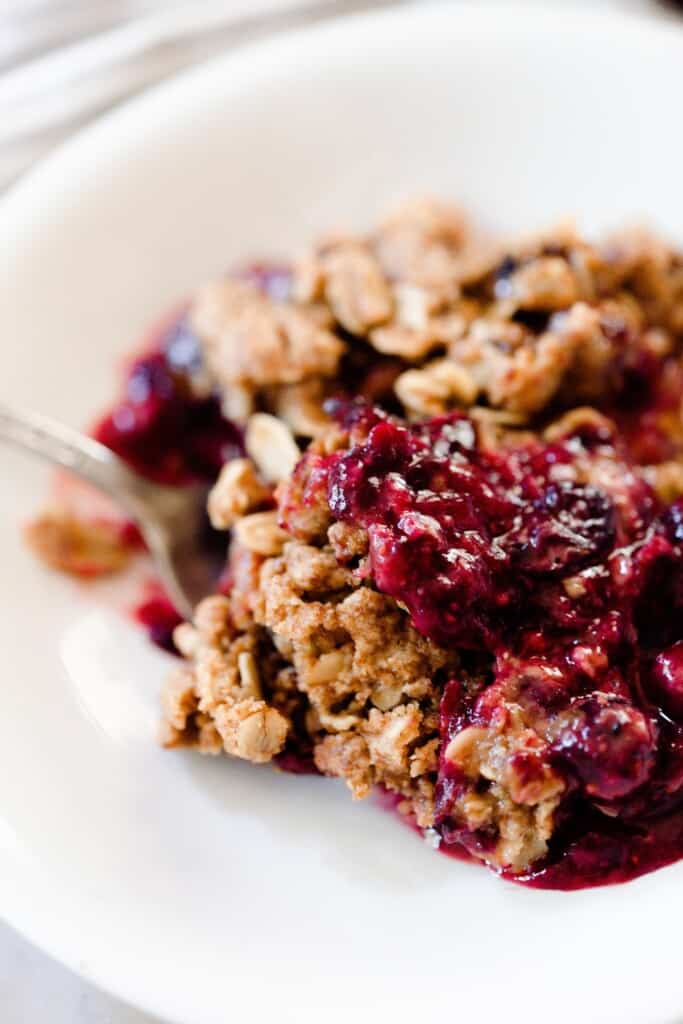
x=157, y=615
x=169, y=427
x=567, y=595
x=172, y=433
x=160, y=426
x=478, y=547
x=167, y=423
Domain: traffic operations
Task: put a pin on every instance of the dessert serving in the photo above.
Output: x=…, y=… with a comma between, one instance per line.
x=447, y=475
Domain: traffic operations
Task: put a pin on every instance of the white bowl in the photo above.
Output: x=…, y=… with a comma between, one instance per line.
x=211, y=890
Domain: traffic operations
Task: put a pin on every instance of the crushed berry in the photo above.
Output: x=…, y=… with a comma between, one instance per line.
x=563, y=583
x=161, y=428
x=673, y=522
x=172, y=435
x=569, y=578
x=462, y=536
x=165, y=426
x=567, y=526
x=667, y=680
x=168, y=434
x=158, y=616
x=608, y=743
x=603, y=851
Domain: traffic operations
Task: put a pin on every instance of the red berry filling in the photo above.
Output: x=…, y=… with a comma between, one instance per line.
x=559, y=570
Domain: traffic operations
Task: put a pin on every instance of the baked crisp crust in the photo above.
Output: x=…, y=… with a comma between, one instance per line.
x=252, y=342
x=306, y=654
x=420, y=388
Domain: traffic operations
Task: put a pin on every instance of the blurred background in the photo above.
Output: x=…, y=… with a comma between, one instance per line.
x=63, y=63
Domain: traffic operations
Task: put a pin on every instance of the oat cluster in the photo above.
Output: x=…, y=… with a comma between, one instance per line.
x=303, y=655
x=303, y=660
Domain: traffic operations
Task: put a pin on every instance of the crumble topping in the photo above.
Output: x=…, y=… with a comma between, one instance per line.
x=366, y=709
x=455, y=526
x=86, y=547
x=271, y=445
x=553, y=317
x=237, y=490
x=252, y=341
x=353, y=285
x=219, y=704
x=395, y=606
x=552, y=323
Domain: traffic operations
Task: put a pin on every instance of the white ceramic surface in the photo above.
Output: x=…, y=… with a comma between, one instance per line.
x=208, y=891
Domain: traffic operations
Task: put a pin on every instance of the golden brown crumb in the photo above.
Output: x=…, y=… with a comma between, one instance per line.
x=355, y=288
x=75, y=545
x=251, y=730
x=253, y=342
x=304, y=654
x=301, y=407
x=237, y=490
x=271, y=445
x=260, y=533
x=436, y=389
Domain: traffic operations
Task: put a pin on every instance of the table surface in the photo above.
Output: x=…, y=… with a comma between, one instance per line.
x=136, y=42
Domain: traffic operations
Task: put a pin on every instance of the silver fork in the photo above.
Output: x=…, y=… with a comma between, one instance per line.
x=170, y=519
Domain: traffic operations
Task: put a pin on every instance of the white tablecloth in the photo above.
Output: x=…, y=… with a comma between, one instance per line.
x=61, y=63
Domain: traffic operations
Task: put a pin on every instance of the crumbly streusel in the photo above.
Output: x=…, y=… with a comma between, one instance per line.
x=539, y=342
